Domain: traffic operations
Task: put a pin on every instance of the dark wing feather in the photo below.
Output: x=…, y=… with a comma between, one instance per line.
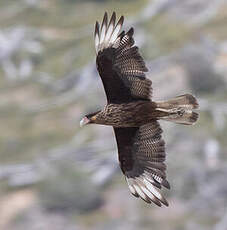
x=142, y=155
x=119, y=63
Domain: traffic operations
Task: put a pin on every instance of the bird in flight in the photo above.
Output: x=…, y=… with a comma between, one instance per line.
x=132, y=113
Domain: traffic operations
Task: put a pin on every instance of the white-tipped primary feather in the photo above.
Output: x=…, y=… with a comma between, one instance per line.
x=108, y=33
x=116, y=30
x=139, y=191
x=131, y=188
x=148, y=193
x=103, y=30
x=152, y=189
x=151, y=197
x=153, y=182
x=110, y=28
x=97, y=37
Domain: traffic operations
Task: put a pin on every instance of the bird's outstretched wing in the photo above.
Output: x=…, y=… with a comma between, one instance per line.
x=119, y=63
x=142, y=154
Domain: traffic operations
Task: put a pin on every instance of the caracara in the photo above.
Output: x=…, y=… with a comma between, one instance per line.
x=132, y=113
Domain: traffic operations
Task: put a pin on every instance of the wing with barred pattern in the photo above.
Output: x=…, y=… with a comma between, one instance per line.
x=142, y=154
x=119, y=63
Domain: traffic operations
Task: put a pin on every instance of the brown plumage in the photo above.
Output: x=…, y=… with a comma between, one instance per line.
x=132, y=113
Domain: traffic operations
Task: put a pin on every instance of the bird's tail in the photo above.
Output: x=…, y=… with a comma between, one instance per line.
x=179, y=109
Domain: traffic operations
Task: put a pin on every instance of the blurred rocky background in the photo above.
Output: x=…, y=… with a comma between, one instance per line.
x=54, y=175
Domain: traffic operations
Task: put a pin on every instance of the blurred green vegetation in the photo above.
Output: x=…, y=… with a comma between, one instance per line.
x=48, y=81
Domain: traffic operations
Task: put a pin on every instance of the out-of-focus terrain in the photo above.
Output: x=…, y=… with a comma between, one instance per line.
x=54, y=175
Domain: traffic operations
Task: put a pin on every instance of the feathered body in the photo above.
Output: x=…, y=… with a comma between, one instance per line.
x=132, y=113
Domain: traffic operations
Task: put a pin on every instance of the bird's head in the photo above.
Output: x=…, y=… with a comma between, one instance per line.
x=88, y=119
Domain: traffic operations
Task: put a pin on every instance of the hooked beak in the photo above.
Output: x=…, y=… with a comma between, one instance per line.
x=84, y=121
